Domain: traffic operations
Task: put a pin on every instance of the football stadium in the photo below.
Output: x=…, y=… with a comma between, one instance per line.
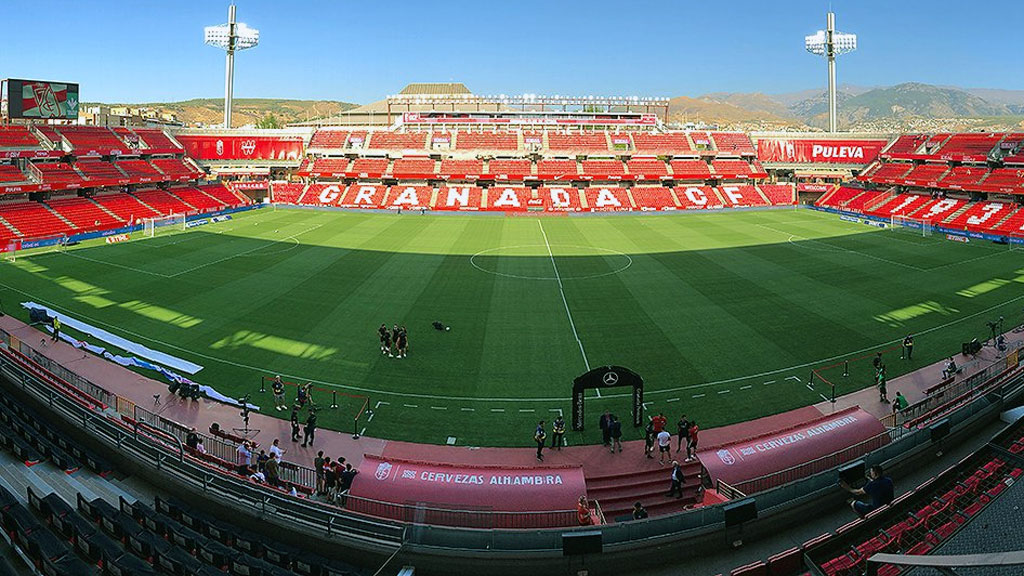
x=454, y=333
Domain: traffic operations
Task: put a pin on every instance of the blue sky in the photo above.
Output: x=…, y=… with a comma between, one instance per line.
x=139, y=51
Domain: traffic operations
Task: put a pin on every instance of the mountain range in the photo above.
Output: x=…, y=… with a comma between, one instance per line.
x=909, y=106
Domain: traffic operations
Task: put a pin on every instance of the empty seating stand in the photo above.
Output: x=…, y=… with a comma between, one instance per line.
x=468, y=140
x=398, y=140
x=125, y=206
x=329, y=139
x=155, y=138
x=140, y=171
x=97, y=138
x=83, y=213
x=17, y=137
x=502, y=169
x=33, y=219
x=164, y=203
x=176, y=168
x=584, y=142
x=668, y=144
x=10, y=174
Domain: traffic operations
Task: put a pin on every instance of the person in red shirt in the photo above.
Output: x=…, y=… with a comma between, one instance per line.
x=659, y=423
x=691, y=442
x=583, y=512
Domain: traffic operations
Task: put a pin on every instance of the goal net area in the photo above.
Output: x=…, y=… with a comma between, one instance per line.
x=163, y=225
x=14, y=247
x=917, y=226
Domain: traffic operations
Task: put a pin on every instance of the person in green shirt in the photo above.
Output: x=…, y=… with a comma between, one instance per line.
x=900, y=403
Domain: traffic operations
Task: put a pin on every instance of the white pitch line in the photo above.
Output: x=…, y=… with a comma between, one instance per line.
x=438, y=407
x=115, y=265
x=411, y=405
x=672, y=400
x=823, y=397
x=697, y=396
x=497, y=409
x=243, y=253
x=561, y=290
x=723, y=391
x=769, y=382
x=526, y=410
x=559, y=410
x=745, y=387
x=468, y=409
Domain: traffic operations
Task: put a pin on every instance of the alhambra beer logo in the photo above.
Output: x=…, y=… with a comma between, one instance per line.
x=248, y=147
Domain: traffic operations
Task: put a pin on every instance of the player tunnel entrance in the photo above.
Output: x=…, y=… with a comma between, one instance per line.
x=607, y=377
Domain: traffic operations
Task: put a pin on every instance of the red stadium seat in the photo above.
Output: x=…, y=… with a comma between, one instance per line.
x=509, y=169
x=17, y=137
x=732, y=168
x=363, y=196
x=560, y=199
x=653, y=198
x=369, y=167
x=459, y=198
x=413, y=167
x=669, y=143
x=408, y=197
x=697, y=197
x=690, y=169
x=466, y=140
x=84, y=213
x=603, y=169
x=745, y=195
x=10, y=174
x=778, y=194
x=327, y=138
x=552, y=169
x=733, y=142
x=607, y=199
x=753, y=569
x=582, y=141
x=287, y=192
x=398, y=140
x=646, y=168
x=452, y=168
x=125, y=206
x=508, y=198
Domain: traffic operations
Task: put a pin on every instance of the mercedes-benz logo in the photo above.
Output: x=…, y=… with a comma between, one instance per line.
x=610, y=378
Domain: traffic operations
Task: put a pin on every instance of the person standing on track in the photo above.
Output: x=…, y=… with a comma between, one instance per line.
x=558, y=433
x=664, y=446
x=310, y=431
x=691, y=441
x=616, y=433
x=277, y=387
x=605, y=425
x=539, y=436
x=908, y=347
x=55, y=324
x=295, y=423
x=683, y=431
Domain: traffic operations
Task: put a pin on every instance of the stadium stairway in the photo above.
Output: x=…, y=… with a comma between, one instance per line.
x=617, y=492
x=956, y=214
x=13, y=232
x=59, y=215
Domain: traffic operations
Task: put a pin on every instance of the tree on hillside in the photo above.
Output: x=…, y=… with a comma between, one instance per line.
x=269, y=120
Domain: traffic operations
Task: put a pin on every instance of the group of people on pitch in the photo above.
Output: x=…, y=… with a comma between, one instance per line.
x=394, y=342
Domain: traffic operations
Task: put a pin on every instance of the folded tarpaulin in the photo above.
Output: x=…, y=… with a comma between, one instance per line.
x=114, y=340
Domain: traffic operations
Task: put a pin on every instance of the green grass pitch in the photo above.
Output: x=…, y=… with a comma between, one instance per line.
x=723, y=314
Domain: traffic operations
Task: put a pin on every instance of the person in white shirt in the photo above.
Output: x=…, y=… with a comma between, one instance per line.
x=664, y=446
x=275, y=449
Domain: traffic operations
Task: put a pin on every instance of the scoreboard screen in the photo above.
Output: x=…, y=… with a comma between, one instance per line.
x=42, y=100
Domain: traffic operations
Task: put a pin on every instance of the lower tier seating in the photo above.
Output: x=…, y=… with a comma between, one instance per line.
x=163, y=202
x=84, y=213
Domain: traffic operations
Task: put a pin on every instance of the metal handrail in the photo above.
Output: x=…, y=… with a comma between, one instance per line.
x=941, y=562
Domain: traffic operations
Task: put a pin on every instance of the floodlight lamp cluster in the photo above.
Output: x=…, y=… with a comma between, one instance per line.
x=220, y=36
x=842, y=43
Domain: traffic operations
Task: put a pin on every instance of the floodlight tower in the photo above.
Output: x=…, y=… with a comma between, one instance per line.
x=230, y=37
x=829, y=43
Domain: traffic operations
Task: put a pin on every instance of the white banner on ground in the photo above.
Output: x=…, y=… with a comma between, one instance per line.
x=114, y=340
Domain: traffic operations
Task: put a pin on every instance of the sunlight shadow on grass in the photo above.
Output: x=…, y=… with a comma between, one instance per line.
x=899, y=316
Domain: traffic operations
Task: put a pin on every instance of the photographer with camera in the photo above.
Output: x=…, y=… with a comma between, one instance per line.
x=879, y=489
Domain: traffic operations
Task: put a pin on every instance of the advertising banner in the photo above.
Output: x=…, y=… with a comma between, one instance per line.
x=242, y=147
x=784, y=150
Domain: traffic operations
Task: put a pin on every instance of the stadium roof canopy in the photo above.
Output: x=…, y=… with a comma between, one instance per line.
x=430, y=88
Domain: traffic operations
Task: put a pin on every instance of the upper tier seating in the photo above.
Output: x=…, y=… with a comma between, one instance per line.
x=371, y=167
x=607, y=198
x=50, y=133
x=745, y=195
x=778, y=194
x=647, y=168
x=926, y=174
x=33, y=219
x=670, y=143
x=358, y=139
x=219, y=192
x=10, y=174
x=690, y=169
x=932, y=144
x=486, y=141
x=413, y=166
x=585, y=141
x=91, y=138
x=163, y=202
x=17, y=137
x=131, y=139
x=126, y=206
x=702, y=141
x=409, y=197
x=963, y=177
x=288, y=192
x=83, y=212
x=653, y=198
x=329, y=139
x=552, y=169
x=733, y=142
x=603, y=168
x=890, y=171
x=559, y=199
x=398, y=140
x=97, y=170
x=140, y=169
x=58, y=173
x=1006, y=178
x=907, y=144
x=155, y=138
x=1013, y=226
x=508, y=198
x=452, y=167
x=970, y=144
x=732, y=168
x=982, y=216
x=697, y=197
x=175, y=167
x=510, y=169
x=457, y=197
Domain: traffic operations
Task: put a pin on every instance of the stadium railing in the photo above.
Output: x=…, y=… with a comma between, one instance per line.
x=143, y=449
